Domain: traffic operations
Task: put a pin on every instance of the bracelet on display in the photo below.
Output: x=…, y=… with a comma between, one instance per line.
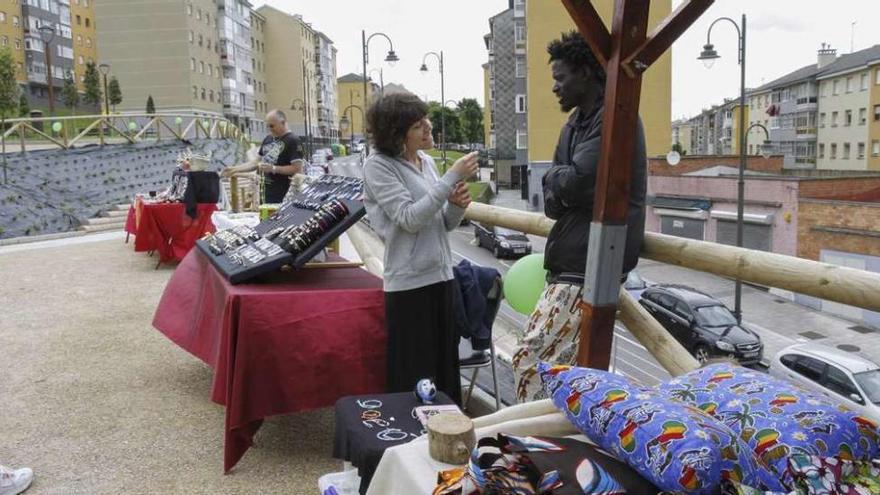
x=298, y=238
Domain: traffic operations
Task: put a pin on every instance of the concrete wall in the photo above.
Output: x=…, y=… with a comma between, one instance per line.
x=777, y=197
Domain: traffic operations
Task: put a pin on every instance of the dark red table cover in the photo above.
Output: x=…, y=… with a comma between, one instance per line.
x=296, y=341
x=166, y=228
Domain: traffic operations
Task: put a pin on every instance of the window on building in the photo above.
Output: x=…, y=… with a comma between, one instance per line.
x=192, y=64
x=864, y=82
x=201, y=40
x=189, y=11
x=201, y=67
x=849, y=84
x=199, y=17
x=519, y=30
x=207, y=18
x=520, y=103
x=846, y=151
x=833, y=150
x=203, y=94
x=211, y=70
x=822, y=119
x=833, y=119
x=79, y=20
x=88, y=22
x=875, y=147
x=522, y=140
x=211, y=96
x=80, y=60
x=88, y=42
x=861, y=150
x=18, y=46
x=876, y=113
x=195, y=90
x=863, y=116
x=520, y=67
x=821, y=150
x=847, y=120
x=835, y=88
x=5, y=40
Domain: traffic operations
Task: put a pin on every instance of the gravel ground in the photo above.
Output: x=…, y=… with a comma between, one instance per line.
x=97, y=401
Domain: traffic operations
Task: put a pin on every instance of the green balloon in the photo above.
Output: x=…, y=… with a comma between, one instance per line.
x=132, y=126
x=56, y=126
x=524, y=283
x=178, y=120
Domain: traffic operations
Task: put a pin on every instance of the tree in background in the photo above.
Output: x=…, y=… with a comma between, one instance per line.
x=677, y=147
x=69, y=93
x=115, y=92
x=92, y=84
x=24, y=108
x=471, y=116
x=151, y=107
x=9, y=94
x=453, y=126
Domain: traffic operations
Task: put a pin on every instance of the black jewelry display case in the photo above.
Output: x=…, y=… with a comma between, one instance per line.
x=239, y=262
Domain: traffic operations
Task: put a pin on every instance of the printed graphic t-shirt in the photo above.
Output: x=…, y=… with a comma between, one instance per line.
x=280, y=151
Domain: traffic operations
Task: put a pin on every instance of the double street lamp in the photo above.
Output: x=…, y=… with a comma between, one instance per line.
x=391, y=58
x=708, y=56
x=424, y=70
x=47, y=34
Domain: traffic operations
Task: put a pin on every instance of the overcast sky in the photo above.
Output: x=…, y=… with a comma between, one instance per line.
x=783, y=35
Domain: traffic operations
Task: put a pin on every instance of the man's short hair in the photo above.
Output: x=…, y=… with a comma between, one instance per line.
x=573, y=50
x=278, y=114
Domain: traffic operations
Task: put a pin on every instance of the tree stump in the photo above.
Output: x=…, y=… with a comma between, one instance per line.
x=451, y=438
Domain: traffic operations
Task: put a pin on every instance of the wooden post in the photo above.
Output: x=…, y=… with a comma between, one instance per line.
x=619, y=125
x=233, y=194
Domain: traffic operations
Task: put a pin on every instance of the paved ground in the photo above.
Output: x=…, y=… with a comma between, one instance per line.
x=97, y=401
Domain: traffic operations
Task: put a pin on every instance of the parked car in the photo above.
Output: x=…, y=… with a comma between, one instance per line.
x=503, y=243
x=635, y=284
x=702, y=324
x=842, y=376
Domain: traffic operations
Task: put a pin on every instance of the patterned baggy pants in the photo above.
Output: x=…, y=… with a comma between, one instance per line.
x=551, y=336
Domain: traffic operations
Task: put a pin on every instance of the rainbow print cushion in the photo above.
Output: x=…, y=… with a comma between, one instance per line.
x=775, y=418
x=677, y=447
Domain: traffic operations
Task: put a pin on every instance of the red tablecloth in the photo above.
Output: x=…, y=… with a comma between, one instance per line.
x=295, y=342
x=166, y=228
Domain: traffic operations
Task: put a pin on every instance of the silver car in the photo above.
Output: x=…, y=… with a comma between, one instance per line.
x=841, y=376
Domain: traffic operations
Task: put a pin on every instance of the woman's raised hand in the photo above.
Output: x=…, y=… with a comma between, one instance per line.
x=466, y=166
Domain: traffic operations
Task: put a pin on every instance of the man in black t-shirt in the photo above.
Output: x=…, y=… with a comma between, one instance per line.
x=281, y=157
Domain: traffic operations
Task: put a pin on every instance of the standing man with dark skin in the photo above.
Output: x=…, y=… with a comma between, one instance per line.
x=280, y=157
x=569, y=192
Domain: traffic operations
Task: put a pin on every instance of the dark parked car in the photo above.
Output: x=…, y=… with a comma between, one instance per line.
x=702, y=324
x=502, y=242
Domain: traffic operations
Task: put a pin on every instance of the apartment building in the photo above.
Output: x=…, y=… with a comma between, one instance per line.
x=169, y=50
x=85, y=38
x=849, y=112
x=258, y=71
x=12, y=35
x=236, y=42
x=291, y=70
x=34, y=15
x=682, y=135
x=351, y=104
x=508, y=103
x=327, y=119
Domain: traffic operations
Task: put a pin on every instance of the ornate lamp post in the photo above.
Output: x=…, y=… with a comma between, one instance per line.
x=391, y=58
x=47, y=34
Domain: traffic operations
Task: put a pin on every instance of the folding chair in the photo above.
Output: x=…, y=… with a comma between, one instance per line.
x=482, y=359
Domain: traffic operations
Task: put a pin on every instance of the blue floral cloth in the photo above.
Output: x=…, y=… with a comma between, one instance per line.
x=774, y=418
x=678, y=447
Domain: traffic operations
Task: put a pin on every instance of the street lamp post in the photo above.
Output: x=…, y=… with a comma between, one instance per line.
x=424, y=69
x=47, y=34
x=708, y=56
x=105, y=69
x=307, y=96
x=345, y=122
x=391, y=58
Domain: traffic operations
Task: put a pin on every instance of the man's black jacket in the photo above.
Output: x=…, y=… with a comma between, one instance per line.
x=569, y=190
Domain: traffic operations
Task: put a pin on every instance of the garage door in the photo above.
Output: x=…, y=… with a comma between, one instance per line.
x=755, y=236
x=689, y=228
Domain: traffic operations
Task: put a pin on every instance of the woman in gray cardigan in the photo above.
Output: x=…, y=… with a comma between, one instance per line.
x=413, y=208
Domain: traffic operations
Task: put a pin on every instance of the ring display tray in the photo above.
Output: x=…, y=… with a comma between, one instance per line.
x=258, y=255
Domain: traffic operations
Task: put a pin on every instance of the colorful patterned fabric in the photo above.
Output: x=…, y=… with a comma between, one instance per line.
x=535, y=466
x=775, y=419
x=551, y=336
x=679, y=448
x=814, y=475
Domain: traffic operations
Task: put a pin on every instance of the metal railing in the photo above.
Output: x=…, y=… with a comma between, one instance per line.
x=67, y=132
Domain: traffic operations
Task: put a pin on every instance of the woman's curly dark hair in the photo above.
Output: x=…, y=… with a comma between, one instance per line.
x=573, y=50
x=389, y=119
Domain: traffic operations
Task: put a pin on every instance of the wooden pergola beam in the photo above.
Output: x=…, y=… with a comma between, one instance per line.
x=666, y=33
x=591, y=27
